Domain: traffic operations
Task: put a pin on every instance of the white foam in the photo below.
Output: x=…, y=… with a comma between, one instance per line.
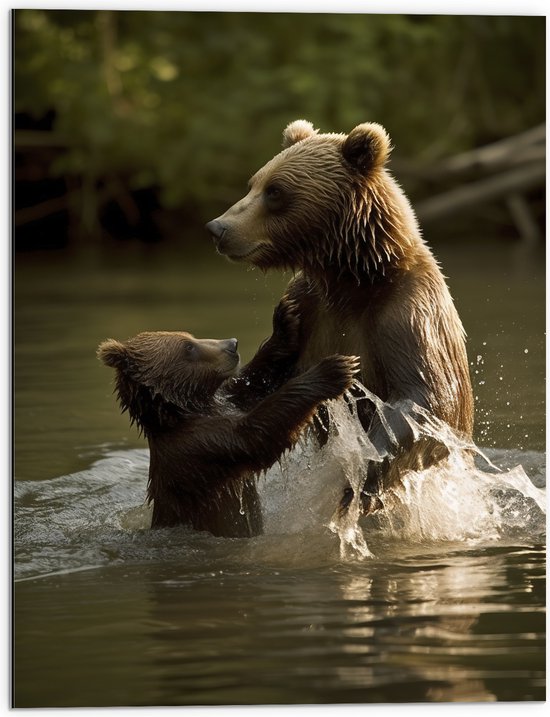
x=456, y=500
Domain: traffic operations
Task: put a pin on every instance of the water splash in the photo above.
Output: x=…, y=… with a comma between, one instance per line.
x=98, y=517
x=464, y=498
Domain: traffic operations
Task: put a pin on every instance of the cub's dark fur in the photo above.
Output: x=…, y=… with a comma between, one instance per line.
x=211, y=431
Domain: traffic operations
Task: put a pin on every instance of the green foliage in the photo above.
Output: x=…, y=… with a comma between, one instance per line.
x=194, y=102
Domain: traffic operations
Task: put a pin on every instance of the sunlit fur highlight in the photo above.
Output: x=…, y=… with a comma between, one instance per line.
x=297, y=131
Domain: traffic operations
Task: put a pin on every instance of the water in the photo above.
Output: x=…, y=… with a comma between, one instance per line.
x=438, y=598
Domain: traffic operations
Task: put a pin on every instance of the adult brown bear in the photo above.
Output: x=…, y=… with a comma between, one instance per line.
x=327, y=208
x=204, y=453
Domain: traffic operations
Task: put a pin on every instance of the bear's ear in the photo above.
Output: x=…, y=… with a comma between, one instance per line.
x=297, y=131
x=367, y=147
x=113, y=354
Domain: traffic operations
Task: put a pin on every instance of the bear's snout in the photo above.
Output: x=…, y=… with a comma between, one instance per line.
x=216, y=230
x=230, y=345
x=228, y=241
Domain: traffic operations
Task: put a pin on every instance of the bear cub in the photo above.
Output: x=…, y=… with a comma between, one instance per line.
x=210, y=429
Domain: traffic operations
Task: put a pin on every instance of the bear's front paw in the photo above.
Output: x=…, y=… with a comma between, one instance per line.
x=286, y=326
x=338, y=373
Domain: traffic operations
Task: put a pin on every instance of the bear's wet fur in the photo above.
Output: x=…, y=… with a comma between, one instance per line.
x=211, y=432
x=328, y=209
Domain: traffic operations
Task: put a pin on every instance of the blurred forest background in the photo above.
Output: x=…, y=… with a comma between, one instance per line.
x=143, y=125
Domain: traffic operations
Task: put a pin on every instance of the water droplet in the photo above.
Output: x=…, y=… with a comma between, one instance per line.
x=525, y=351
x=479, y=359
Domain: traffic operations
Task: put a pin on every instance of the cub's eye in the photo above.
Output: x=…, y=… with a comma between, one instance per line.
x=272, y=192
x=188, y=348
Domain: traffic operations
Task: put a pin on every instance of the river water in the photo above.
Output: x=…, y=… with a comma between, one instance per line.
x=447, y=603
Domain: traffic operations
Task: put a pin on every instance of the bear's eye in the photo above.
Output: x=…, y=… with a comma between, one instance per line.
x=188, y=348
x=274, y=196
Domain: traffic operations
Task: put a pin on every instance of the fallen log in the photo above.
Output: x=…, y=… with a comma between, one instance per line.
x=512, y=150
x=498, y=186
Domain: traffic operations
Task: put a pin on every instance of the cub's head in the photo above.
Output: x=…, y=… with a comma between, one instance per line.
x=163, y=375
x=317, y=203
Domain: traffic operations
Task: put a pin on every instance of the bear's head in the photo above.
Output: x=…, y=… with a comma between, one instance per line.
x=325, y=204
x=163, y=375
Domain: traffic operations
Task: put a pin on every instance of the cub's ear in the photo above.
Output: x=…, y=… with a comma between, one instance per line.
x=297, y=131
x=113, y=354
x=367, y=147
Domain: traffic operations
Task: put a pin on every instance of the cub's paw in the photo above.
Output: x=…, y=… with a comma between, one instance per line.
x=286, y=325
x=337, y=373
